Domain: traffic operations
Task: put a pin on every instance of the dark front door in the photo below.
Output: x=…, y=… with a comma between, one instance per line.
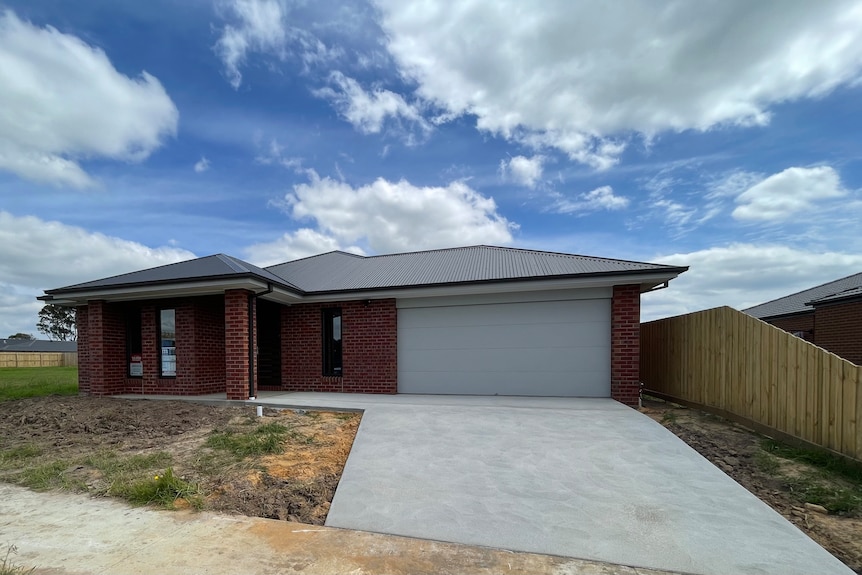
x=268, y=343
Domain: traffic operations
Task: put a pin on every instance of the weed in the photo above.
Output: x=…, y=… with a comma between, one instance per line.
x=345, y=416
x=15, y=456
x=767, y=463
x=820, y=459
x=669, y=418
x=9, y=568
x=46, y=476
x=263, y=440
x=163, y=490
x=812, y=489
x=112, y=465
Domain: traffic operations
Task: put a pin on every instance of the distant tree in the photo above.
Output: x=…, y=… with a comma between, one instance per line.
x=22, y=336
x=58, y=322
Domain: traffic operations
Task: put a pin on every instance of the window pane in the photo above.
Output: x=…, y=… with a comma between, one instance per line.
x=332, y=342
x=168, y=340
x=133, y=343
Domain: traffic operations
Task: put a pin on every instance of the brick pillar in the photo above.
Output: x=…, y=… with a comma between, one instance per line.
x=106, y=345
x=84, y=365
x=236, y=344
x=625, y=344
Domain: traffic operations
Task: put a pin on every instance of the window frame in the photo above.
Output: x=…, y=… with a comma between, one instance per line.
x=160, y=340
x=333, y=365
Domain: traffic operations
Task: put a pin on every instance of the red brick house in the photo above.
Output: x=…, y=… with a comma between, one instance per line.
x=828, y=315
x=477, y=320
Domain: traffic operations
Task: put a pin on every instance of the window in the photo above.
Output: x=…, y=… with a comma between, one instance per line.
x=332, y=341
x=134, y=343
x=168, y=342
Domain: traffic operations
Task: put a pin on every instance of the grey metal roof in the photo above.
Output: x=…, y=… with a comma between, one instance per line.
x=796, y=303
x=37, y=346
x=339, y=271
x=218, y=266
x=842, y=295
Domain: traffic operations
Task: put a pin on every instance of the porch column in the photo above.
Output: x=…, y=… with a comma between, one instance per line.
x=625, y=344
x=239, y=344
x=104, y=365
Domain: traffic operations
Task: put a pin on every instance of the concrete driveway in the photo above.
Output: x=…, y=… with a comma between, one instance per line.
x=586, y=478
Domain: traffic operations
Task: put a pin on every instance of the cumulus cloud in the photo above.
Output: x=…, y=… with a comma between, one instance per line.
x=522, y=170
x=783, y=195
x=202, y=165
x=742, y=275
x=367, y=111
x=261, y=26
x=384, y=217
x=602, y=198
x=63, y=101
x=36, y=255
x=302, y=243
x=583, y=77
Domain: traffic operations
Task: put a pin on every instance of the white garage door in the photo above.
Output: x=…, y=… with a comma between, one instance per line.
x=546, y=348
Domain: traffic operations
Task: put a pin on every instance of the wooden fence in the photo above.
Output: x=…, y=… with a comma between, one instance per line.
x=37, y=359
x=733, y=364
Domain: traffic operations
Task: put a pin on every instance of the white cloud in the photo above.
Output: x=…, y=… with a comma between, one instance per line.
x=302, y=243
x=261, y=26
x=274, y=155
x=788, y=193
x=742, y=275
x=583, y=77
x=368, y=111
x=202, y=165
x=602, y=198
x=524, y=171
x=36, y=255
x=385, y=217
x=62, y=101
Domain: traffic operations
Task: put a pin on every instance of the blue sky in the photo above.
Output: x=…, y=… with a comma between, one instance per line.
x=719, y=135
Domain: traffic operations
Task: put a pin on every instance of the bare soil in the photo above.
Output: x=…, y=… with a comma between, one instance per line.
x=296, y=485
x=738, y=452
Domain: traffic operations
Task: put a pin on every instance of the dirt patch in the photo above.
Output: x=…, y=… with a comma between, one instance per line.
x=87, y=443
x=739, y=452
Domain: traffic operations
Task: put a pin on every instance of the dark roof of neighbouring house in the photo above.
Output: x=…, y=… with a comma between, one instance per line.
x=339, y=271
x=851, y=293
x=798, y=302
x=37, y=345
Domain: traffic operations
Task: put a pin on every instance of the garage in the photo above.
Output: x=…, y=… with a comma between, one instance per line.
x=555, y=348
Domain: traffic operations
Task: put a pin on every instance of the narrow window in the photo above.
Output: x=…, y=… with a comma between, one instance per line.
x=332, y=341
x=168, y=342
x=134, y=354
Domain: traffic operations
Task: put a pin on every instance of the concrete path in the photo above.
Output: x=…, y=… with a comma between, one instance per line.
x=586, y=478
x=64, y=533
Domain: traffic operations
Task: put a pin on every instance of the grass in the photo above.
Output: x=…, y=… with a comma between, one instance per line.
x=21, y=382
x=831, y=481
x=9, y=568
x=263, y=440
x=163, y=490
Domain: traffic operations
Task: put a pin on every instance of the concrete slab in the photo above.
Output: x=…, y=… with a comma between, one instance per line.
x=65, y=533
x=588, y=478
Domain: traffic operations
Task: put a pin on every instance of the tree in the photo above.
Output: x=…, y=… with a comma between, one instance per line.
x=22, y=336
x=58, y=322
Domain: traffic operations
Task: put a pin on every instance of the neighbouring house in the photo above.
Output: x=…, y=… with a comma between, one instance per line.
x=828, y=315
x=37, y=346
x=478, y=320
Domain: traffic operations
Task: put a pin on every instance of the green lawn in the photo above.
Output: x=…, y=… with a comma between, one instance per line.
x=20, y=382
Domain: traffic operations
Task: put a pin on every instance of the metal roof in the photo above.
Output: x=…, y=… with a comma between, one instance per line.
x=797, y=302
x=37, y=346
x=205, y=268
x=339, y=271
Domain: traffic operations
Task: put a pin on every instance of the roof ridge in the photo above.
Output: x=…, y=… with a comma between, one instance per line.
x=232, y=262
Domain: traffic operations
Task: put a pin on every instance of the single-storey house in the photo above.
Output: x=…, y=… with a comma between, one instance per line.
x=828, y=315
x=478, y=320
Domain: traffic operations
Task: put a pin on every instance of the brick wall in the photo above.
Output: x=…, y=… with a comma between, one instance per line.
x=625, y=344
x=236, y=344
x=82, y=324
x=104, y=362
x=369, y=348
x=838, y=328
x=803, y=323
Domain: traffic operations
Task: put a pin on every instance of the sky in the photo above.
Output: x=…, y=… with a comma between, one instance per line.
x=723, y=135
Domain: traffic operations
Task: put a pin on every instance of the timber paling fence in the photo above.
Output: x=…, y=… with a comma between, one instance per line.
x=735, y=365
x=37, y=359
